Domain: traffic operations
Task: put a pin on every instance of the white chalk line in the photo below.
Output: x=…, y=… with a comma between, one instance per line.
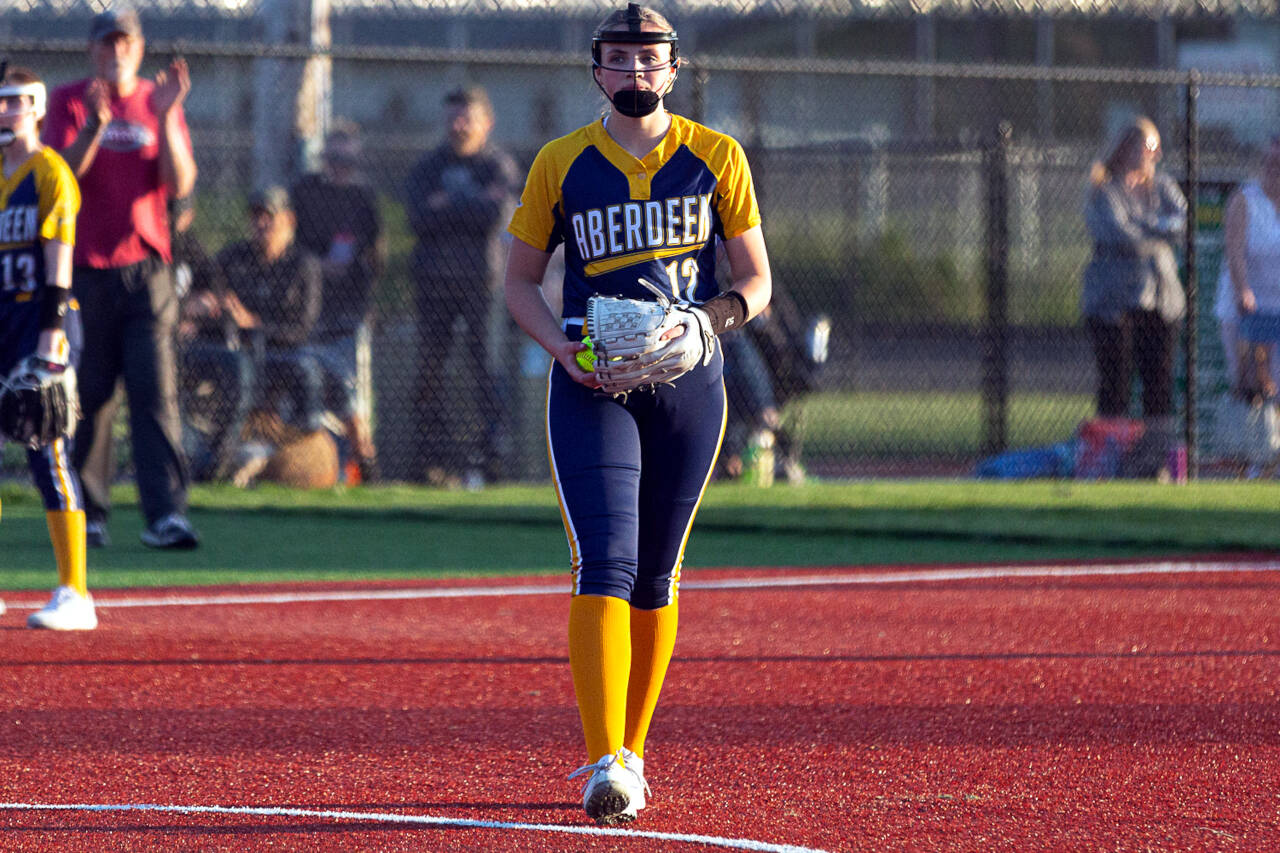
x=428, y=820
x=865, y=578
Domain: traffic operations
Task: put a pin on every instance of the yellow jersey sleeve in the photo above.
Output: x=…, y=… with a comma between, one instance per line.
x=534, y=220
x=59, y=199
x=735, y=191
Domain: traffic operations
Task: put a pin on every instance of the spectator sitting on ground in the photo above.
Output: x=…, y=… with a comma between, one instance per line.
x=273, y=292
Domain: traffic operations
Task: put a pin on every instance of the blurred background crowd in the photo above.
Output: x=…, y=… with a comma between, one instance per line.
x=923, y=171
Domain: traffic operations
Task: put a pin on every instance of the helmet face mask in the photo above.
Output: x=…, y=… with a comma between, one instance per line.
x=20, y=100
x=34, y=91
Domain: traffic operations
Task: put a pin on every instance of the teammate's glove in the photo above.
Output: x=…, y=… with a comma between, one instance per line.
x=627, y=337
x=39, y=402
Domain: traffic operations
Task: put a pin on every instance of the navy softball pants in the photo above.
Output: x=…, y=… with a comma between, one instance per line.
x=630, y=474
x=50, y=466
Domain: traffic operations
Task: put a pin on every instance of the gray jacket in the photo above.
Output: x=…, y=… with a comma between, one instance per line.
x=1134, y=265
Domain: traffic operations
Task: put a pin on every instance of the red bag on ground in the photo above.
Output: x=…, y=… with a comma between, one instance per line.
x=1102, y=443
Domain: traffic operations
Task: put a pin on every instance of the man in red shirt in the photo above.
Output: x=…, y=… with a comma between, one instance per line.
x=126, y=139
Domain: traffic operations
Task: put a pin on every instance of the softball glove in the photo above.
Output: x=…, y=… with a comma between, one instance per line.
x=626, y=335
x=39, y=402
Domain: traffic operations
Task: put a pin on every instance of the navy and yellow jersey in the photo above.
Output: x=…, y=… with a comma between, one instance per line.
x=38, y=202
x=621, y=218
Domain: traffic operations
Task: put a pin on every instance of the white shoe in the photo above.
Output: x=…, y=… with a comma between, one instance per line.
x=635, y=764
x=68, y=610
x=610, y=795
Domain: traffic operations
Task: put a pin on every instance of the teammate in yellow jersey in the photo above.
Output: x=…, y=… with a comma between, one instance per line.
x=39, y=321
x=641, y=194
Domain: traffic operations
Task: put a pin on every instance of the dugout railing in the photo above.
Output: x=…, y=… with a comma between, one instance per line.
x=946, y=259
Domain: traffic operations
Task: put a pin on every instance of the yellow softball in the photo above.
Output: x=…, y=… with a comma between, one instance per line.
x=587, y=357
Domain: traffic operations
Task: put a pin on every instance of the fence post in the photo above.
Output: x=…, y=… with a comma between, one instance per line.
x=1044, y=88
x=291, y=95
x=995, y=367
x=314, y=106
x=698, y=95
x=875, y=191
x=1191, y=329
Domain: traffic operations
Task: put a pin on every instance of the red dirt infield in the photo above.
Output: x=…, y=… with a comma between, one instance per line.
x=875, y=712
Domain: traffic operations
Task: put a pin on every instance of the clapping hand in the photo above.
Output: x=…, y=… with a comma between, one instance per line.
x=172, y=86
x=97, y=102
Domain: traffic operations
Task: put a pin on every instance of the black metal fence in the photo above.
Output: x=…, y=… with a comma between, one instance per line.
x=924, y=223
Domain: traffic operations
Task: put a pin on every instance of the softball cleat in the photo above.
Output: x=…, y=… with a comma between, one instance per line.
x=611, y=792
x=635, y=764
x=68, y=610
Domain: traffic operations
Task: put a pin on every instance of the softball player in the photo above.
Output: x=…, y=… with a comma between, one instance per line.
x=39, y=199
x=640, y=193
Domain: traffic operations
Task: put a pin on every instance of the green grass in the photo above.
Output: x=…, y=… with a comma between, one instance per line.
x=874, y=423
x=272, y=534
x=880, y=423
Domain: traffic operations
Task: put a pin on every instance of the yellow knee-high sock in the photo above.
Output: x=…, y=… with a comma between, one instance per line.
x=600, y=658
x=66, y=531
x=653, y=639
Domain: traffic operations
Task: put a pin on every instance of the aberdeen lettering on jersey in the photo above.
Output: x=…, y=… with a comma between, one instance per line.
x=18, y=224
x=635, y=226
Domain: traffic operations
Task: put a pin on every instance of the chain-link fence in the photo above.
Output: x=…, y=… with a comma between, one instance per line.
x=927, y=270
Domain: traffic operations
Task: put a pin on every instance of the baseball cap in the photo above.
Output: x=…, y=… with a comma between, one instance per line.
x=272, y=199
x=115, y=21
x=469, y=96
x=342, y=145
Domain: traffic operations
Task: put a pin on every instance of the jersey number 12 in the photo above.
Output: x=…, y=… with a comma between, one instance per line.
x=689, y=271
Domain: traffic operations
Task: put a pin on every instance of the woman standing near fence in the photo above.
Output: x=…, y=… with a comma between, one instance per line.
x=1248, y=311
x=1133, y=300
x=640, y=194
x=1248, y=298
